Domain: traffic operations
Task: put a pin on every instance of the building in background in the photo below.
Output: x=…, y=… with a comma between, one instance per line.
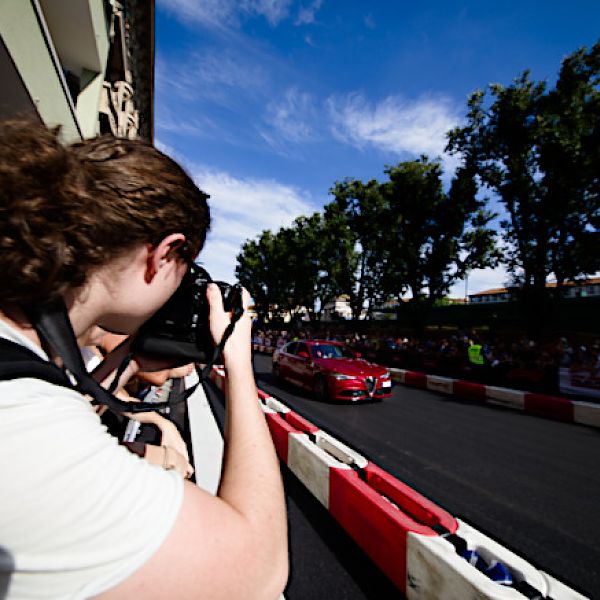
x=570, y=289
x=86, y=65
x=339, y=308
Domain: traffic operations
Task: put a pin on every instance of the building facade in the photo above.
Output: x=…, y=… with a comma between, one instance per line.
x=86, y=65
x=570, y=289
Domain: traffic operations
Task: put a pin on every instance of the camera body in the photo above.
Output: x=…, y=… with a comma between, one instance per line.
x=179, y=331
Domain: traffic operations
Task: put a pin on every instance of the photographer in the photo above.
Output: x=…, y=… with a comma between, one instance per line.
x=110, y=226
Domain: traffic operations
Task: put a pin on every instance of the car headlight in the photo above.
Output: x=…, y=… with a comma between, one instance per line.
x=386, y=375
x=341, y=377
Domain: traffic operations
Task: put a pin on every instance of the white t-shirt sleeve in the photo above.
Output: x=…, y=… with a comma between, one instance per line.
x=78, y=512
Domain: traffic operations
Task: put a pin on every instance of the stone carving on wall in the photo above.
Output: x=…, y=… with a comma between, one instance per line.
x=118, y=105
x=117, y=102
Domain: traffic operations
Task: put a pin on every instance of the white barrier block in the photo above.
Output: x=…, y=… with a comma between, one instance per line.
x=440, y=384
x=276, y=405
x=490, y=550
x=559, y=591
x=397, y=374
x=586, y=413
x=311, y=465
x=339, y=450
x=434, y=571
x=505, y=397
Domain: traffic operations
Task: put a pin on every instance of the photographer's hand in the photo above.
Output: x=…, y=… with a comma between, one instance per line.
x=237, y=351
x=168, y=458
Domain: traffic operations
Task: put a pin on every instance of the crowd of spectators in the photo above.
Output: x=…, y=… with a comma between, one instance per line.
x=520, y=363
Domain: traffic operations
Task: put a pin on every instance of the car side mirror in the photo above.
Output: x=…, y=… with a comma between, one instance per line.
x=357, y=355
x=303, y=354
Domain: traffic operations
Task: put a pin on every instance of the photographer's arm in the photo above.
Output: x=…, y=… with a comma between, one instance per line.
x=233, y=545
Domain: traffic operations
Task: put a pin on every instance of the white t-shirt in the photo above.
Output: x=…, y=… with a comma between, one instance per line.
x=78, y=512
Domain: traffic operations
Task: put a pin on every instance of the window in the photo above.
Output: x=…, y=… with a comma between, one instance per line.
x=329, y=351
x=291, y=348
x=302, y=347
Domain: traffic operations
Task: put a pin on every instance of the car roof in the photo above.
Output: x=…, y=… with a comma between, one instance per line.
x=314, y=342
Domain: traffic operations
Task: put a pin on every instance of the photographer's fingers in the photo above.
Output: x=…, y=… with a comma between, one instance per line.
x=237, y=348
x=218, y=318
x=180, y=464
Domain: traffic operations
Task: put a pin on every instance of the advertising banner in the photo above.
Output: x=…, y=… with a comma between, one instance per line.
x=580, y=382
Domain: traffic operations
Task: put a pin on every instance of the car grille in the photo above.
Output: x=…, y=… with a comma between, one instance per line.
x=370, y=382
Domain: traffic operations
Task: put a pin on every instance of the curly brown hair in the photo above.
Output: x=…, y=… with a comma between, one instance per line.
x=67, y=210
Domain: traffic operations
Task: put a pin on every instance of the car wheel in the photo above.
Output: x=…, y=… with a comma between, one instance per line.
x=320, y=388
x=275, y=371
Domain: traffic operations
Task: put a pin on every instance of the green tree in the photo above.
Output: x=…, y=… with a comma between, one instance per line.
x=260, y=268
x=432, y=238
x=358, y=209
x=538, y=150
x=339, y=257
x=301, y=263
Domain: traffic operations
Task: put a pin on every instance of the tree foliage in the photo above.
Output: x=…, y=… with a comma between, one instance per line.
x=359, y=208
x=433, y=238
x=538, y=150
x=372, y=241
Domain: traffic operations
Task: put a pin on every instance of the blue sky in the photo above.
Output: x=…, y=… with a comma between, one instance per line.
x=268, y=102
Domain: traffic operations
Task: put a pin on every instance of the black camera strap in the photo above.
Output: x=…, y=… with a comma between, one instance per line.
x=238, y=311
x=53, y=325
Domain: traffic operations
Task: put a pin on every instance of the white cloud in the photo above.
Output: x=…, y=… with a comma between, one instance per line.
x=274, y=11
x=395, y=124
x=225, y=14
x=213, y=75
x=306, y=14
x=289, y=120
x=195, y=126
x=210, y=13
x=241, y=209
x=369, y=21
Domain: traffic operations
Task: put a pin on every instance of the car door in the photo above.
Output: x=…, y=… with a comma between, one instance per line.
x=286, y=356
x=297, y=363
x=304, y=365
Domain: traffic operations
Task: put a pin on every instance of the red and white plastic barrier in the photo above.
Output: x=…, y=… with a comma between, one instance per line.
x=403, y=532
x=542, y=405
x=435, y=572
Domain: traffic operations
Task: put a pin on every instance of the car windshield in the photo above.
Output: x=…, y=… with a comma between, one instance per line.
x=330, y=351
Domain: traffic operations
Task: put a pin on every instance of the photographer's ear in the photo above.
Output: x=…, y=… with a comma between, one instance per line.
x=163, y=254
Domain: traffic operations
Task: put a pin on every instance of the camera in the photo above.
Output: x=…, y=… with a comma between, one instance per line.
x=179, y=330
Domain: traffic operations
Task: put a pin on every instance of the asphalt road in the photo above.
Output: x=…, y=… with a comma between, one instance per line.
x=531, y=483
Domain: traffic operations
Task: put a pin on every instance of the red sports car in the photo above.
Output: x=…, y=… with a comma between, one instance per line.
x=331, y=371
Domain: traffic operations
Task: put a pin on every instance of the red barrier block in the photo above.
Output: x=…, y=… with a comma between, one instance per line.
x=263, y=395
x=549, y=406
x=416, y=379
x=421, y=509
x=279, y=432
x=300, y=423
x=469, y=390
x=378, y=527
